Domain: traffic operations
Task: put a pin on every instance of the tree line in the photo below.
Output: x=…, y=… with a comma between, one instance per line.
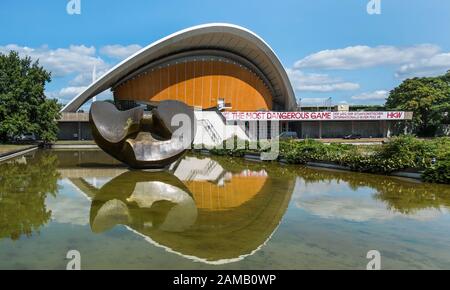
x=24, y=108
x=428, y=98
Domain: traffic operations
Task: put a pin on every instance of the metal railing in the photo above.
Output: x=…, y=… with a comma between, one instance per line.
x=212, y=132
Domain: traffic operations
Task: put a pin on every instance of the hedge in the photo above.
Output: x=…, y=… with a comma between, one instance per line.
x=399, y=153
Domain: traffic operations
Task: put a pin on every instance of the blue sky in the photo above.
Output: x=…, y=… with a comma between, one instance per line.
x=330, y=48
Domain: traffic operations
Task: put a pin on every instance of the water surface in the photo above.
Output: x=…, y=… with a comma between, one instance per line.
x=214, y=213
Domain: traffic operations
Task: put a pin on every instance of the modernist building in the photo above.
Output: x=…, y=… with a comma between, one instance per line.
x=214, y=68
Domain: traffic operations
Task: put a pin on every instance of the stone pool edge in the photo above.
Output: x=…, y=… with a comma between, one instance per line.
x=17, y=153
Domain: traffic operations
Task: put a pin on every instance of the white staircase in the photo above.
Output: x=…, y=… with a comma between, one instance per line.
x=212, y=129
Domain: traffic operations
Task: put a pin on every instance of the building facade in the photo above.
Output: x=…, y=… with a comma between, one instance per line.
x=219, y=68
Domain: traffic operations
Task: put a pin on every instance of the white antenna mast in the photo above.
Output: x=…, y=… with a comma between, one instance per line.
x=94, y=77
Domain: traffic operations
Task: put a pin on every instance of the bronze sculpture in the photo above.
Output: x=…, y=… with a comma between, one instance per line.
x=140, y=139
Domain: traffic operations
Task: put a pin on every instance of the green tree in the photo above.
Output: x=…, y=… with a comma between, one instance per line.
x=23, y=105
x=428, y=98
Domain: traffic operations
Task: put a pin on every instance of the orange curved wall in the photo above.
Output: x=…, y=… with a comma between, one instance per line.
x=200, y=83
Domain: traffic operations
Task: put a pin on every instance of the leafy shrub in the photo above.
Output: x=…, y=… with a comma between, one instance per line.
x=408, y=152
x=400, y=153
x=439, y=173
x=300, y=152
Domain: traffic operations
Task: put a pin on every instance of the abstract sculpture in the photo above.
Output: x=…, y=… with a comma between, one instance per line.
x=143, y=140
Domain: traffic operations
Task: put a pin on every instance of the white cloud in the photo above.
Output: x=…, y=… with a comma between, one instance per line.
x=119, y=51
x=68, y=91
x=435, y=65
x=66, y=94
x=356, y=57
x=344, y=86
x=313, y=82
x=75, y=63
x=376, y=95
x=85, y=78
x=61, y=61
x=313, y=100
x=82, y=79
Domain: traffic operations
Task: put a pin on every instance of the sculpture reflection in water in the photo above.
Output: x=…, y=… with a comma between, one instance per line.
x=213, y=215
x=146, y=140
x=143, y=201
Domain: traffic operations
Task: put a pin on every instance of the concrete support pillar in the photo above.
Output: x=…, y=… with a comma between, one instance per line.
x=320, y=129
x=388, y=129
x=79, y=131
x=263, y=128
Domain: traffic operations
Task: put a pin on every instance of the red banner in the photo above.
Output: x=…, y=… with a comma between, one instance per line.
x=313, y=116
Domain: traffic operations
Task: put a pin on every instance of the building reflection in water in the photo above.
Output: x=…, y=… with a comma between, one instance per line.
x=215, y=210
x=200, y=210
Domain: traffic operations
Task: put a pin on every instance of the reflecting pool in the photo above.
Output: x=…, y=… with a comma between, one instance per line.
x=214, y=213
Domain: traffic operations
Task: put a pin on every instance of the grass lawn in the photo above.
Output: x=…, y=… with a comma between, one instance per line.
x=341, y=140
x=75, y=142
x=5, y=148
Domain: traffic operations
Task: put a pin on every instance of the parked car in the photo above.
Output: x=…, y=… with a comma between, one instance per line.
x=288, y=135
x=353, y=136
x=26, y=137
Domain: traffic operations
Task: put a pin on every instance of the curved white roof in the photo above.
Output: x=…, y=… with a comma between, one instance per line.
x=218, y=36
